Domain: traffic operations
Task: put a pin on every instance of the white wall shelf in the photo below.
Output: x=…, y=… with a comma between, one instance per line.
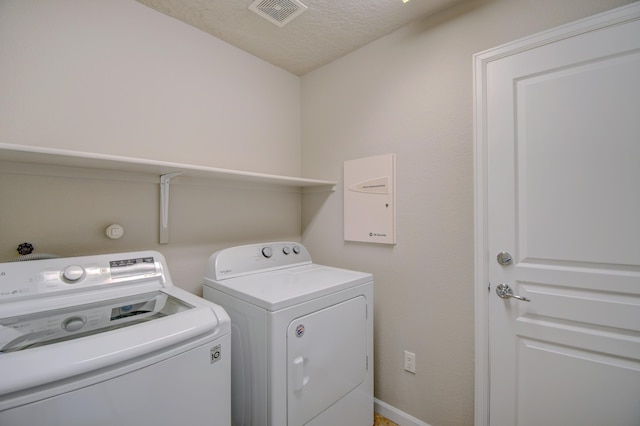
x=162, y=170
x=13, y=153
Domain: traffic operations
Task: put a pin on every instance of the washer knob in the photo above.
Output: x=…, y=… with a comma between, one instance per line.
x=286, y=250
x=72, y=324
x=73, y=273
x=296, y=249
x=267, y=252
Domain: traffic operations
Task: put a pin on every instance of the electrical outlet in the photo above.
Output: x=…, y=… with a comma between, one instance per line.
x=410, y=362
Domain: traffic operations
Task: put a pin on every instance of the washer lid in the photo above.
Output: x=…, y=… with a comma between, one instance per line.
x=278, y=289
x=167, y=319
x=44, y=328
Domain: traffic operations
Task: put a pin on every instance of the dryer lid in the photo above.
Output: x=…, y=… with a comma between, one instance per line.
x=278, y=289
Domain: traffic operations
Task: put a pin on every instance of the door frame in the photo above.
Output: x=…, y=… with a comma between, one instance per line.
x=481, y=256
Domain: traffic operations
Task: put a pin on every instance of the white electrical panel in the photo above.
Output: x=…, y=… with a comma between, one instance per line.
x=370, y=199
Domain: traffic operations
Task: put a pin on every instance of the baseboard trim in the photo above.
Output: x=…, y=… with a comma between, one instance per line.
x=395, y=415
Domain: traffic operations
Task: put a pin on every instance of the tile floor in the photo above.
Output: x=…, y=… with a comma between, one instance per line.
x=378, y=420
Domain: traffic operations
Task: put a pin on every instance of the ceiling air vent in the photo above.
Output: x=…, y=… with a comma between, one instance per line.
x=280, y=12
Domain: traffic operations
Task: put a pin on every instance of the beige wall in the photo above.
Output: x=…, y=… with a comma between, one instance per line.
x=411, y=93
x=116, y=77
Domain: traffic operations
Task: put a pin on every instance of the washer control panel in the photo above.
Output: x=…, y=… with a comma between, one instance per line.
x=253, y=258
x=19, y=280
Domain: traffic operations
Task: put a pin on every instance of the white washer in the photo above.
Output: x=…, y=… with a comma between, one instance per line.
x=109, y=340
x=302, y=341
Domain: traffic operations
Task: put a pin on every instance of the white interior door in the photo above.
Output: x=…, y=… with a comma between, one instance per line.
x=561, y=145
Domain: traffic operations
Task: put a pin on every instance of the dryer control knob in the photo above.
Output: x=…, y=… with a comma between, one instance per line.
x=296, y=249
x=267, y=252
x=286, y=250
x=73, y=273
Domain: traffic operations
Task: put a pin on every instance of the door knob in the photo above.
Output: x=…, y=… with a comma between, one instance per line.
x=505, y=292
x=504, y=258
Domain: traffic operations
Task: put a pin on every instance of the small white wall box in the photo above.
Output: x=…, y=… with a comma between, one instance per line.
x=370, y=199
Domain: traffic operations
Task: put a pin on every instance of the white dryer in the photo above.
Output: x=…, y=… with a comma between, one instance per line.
x=109, y=340
x=302, y=340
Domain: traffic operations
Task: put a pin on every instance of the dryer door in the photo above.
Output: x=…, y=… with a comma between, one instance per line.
x=327, y=358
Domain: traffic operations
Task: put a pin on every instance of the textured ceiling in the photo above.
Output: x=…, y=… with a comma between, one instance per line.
x=327, y=30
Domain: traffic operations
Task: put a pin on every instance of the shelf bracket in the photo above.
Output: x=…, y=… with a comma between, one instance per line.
x=164, y=206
